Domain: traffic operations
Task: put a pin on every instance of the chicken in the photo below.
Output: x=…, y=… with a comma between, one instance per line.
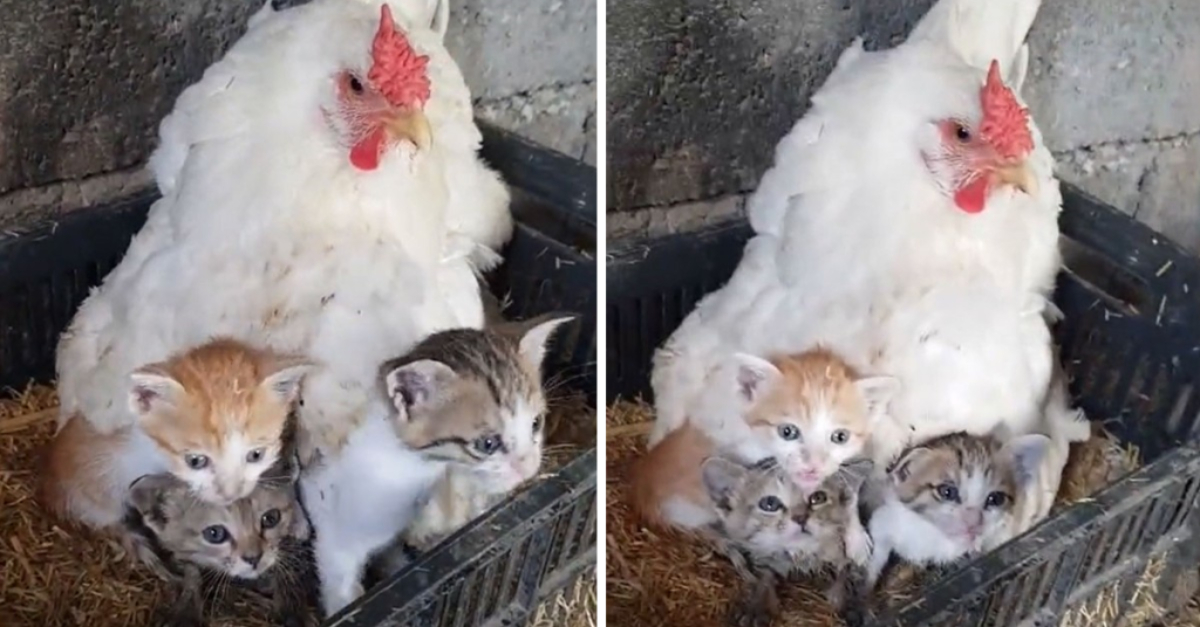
x=321, y=194
x=909, y=223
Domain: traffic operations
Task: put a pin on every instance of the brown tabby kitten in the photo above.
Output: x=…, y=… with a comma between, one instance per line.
x=770, y=528
x=258, y=536
x=490, y=424
x=951, y=497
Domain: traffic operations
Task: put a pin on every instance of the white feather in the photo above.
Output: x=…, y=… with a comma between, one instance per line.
x=360, y=501
x=857, y=248
x=266, y=233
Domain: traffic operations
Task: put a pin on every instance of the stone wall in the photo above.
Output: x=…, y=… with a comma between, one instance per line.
x=700, y=92
x=83, y=84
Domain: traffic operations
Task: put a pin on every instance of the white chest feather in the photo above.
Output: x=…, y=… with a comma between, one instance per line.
x=360, y=501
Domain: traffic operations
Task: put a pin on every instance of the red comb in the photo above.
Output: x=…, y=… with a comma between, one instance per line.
x=1005, y=123
x=396, y=69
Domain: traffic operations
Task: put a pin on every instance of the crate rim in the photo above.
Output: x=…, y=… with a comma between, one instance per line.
x=437, y=566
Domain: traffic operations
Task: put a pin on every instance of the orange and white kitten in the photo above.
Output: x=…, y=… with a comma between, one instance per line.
x=811, y=411
x=214, y=416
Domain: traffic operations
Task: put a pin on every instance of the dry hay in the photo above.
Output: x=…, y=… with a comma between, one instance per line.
x=658, y=577
x=53, y=573
x=573, y=606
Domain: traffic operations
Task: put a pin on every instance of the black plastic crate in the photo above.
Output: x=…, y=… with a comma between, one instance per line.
x=1131, y=345
x=498, y=567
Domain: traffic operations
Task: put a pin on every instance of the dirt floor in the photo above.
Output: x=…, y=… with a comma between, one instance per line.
x=56, y=574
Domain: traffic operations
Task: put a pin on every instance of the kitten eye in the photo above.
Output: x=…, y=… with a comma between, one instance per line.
x=962, y=133
x=947, y=492
x=788, y=431
x=841, y=436
x=770, y=504
x=996, y=499
x=256, y=455
x=488, y=444
x=196, y=462
x=270, y=518
x=215, y=534
x=537, y=425
x=817, y=498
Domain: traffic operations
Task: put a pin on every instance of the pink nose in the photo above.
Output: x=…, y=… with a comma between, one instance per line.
x=808, y=477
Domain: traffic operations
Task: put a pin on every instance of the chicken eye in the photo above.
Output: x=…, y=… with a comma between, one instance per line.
x=962, y=133
x=770, y=504
x=356, y=85
x=196, y=462
x=215, y=534
x=788, y=431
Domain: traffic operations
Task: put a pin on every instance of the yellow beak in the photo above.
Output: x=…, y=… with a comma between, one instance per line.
x=1018, y=175
x=411, y=125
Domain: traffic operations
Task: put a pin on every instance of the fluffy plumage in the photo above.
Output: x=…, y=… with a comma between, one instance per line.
x=892, y=229
x=268, y=230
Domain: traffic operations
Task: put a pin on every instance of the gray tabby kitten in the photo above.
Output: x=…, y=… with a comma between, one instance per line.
x=490, y=426
x=950, y=498
x=770, y=528
x=259, y=536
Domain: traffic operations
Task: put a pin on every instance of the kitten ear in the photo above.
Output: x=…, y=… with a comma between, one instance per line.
x=909, y=461
x=532, y=345
x=152, y=389
x=1026, y=453
x=721, y=476
x=146, y=495
x=417, y=383
x=755, y=376
x=287, y=373
x=878, y=393
x=855, y=473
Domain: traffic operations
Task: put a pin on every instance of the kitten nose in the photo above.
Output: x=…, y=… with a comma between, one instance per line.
x=252, y=560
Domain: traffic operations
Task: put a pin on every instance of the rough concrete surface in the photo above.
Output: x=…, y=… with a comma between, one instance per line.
x=83, y=84
x=700, y=92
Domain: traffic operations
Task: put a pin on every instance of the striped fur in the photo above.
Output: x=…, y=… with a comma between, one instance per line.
x=473, y=398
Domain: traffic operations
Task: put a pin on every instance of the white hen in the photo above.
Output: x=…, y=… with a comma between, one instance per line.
x=322, y=194
x=909, y=223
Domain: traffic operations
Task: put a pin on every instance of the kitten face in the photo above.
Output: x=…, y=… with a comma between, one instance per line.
x=812, y=411
x=474, y=398
x=967, y=486
x=217, y=413
x=241, y=539
x=762, y=508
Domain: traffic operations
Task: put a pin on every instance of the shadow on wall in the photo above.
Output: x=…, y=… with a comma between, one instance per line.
x=87, y=82
x=699, y=93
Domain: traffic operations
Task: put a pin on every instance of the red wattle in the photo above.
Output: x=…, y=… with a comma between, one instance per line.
x=972, y=196
x=365, y=154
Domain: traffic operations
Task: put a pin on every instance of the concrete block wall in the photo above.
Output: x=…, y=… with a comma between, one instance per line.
x=83, y=84
x=700, y=92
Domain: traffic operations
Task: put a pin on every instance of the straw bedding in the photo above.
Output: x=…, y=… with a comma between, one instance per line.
x=660, y=578
x=52, y=573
